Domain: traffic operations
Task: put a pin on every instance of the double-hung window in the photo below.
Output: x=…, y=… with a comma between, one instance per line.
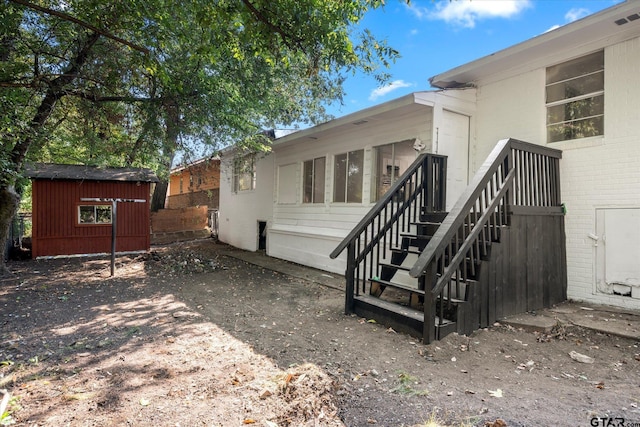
x=313, y=180
x=94, y=214
x=244, y=174
x=575, y=98
x=389, y=162
x=347, y=177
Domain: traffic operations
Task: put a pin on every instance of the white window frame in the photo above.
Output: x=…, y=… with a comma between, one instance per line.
x=93, y=212
x=315, y=170
x=244, y=174
x=395, y=170
x=573, y=123
x=346, y=177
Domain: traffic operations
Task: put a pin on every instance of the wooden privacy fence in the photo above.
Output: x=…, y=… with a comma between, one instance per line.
x=184, y=219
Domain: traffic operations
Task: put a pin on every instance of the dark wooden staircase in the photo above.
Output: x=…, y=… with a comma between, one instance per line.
x=500, y=251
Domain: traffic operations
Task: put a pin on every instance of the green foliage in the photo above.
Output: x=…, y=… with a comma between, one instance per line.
x=130, y=83
x=216, y=72
x=6, y=418
x=405, y=385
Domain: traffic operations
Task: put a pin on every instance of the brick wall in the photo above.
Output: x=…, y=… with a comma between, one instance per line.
x=185, y=219
x=208, y=198
x=596, y=173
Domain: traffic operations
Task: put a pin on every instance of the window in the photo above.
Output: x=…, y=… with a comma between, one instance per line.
x=288, y=183
x=94, y=214
x=575, y=98
x=244, y=174
x=389, y=162
x=347, y=179
x=313, y=180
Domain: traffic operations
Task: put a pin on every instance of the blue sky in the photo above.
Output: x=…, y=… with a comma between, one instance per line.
x=436, y=35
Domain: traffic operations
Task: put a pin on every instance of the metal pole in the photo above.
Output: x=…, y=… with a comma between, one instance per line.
x=114, y=220
x=114, y=217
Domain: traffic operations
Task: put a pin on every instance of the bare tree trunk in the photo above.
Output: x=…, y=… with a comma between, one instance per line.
x=172, y=122
x=9, y=200
x=8, y=206
x=159, y=195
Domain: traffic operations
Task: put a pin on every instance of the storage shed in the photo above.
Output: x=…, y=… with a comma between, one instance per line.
x=65, y=224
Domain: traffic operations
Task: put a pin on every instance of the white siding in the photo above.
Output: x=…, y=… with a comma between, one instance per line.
x=240, y=212
x=596, y=173
x=307, y=233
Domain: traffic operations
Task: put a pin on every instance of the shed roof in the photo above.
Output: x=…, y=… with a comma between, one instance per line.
x=88, y=173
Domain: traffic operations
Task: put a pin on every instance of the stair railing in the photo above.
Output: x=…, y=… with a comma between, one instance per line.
x=421, y=186
x=516, y=173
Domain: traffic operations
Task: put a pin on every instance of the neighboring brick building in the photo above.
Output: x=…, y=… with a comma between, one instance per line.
x=196, y=184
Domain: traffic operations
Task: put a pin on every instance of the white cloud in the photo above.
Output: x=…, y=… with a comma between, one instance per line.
x=553, y=27
x=572, y=15
x=384, y=90
x=576, y=13
x=466, y=13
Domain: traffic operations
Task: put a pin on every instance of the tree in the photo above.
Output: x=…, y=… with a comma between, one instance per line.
x=129, y=83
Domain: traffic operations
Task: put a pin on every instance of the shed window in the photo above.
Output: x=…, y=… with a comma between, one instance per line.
x=244, y=174
x=347, y=178
x=313, y=184
x=575, y=98
x=94, y=214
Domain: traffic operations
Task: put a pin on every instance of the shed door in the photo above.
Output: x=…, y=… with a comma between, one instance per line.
x=453, y=142
x=618, y=251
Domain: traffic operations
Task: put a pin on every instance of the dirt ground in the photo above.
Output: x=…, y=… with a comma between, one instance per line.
x=185, y=336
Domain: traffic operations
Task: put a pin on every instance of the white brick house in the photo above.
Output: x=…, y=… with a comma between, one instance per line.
x=575, y=88
x=600, y=173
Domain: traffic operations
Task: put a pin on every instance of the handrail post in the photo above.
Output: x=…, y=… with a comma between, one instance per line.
x=350, y=278
x=427, y=179
x=442, y=185
x=426, y=282
x=509, y=198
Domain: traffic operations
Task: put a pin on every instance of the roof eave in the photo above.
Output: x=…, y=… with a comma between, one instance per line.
x=423, y=98
x=543, y=45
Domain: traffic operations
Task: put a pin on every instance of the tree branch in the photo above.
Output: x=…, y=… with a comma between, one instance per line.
x=70, y=18
x=114, y=98
x=54, y=93
x=17, y=84
x=99, y=98
x=276, y=29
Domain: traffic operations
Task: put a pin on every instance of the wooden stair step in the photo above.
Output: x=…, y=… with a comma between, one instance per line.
x=403, y=311
x=433, y=216
x=397, y=285
x=402, y=250
x=398, y=317
x=453, y=300
x=396, y=266
x=463, y=281
x=416, y=236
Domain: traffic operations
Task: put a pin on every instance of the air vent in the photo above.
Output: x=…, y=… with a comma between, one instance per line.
x=628, y=19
